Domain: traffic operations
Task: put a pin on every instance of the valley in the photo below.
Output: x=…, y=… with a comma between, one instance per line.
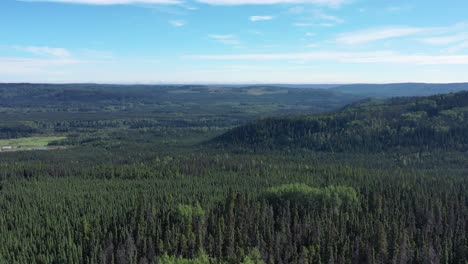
x=271, y=179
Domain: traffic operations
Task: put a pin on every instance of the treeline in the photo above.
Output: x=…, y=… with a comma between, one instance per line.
x=439, y=121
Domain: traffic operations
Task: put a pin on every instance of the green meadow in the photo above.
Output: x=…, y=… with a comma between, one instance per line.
x=29, y=142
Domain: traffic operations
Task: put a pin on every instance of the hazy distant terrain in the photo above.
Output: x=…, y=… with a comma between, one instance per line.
x=81, y=95
x=401, y=89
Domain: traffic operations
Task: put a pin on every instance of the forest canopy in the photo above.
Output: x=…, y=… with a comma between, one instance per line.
x=192, y=174
x=439, y=121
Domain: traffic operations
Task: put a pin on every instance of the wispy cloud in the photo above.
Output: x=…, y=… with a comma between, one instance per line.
x=260, y=18
x=96, y=54
x=303, y=24
x=108, y=2
x=399, y=8
x=444, y=40
x=320, y=15
x=430, y=35
x=331, y=3
x=226, y=39
x=308, y=24
x=177, y=23
x=393, y=8
x=319, y=18
x=33, y=65
x=457, y=48
x=296, y=10
x=345, y=57
x=42, y=50
x=370, y=35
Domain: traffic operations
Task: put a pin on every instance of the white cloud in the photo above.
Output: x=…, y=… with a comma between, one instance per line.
x=319, y=15
x=260, y=18
x=319, y=18
x=345, y=57
x=332, y=3
x=399, y=8
x=96, y=54
x=48, y=51
x=225, y=39
x=303, y=24
x=458, y=47
x=33, y=65
x=444, y=40
x=394, y=8
x=366, y=36
x=296, y=10
x=307, y=24
x=429, y=35
x=109, y=2
x=310, y=34
x=177, y=23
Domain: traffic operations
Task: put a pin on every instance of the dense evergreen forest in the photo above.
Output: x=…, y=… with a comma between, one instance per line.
x=401, y=89
x=184, y=174
x=439, y=121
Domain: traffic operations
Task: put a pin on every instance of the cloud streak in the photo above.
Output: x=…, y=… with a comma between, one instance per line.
x=344, y=57
x=177, y=23
x=371, y=35
x=33, y=65
x=457, y=48
x=260, y=18
x=332, y=3
x=109, y=2
x=225, y=39
x=445, y=40
x=47, y=51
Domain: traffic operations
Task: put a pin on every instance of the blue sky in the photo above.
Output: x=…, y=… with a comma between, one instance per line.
x=233, y=41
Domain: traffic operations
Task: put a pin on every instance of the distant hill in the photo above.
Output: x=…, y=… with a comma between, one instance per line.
x=439, y=121
x=282, y=85
x=92, y=95
x=401, y=89
x=182, y=106
x=313, y=86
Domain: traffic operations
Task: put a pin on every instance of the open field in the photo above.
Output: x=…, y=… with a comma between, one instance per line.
x=27, y=143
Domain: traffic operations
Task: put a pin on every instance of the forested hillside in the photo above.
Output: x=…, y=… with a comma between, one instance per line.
x=43, y=109
x=401, y=89
x=89, y=97
x=131, y=180
x=436, y=122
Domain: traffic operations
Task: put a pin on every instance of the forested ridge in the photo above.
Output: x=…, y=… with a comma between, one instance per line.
x=439, y=121
x=401, y=89
x=136, y=183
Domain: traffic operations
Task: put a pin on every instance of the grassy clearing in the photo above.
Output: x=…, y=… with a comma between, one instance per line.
x=29, y=142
